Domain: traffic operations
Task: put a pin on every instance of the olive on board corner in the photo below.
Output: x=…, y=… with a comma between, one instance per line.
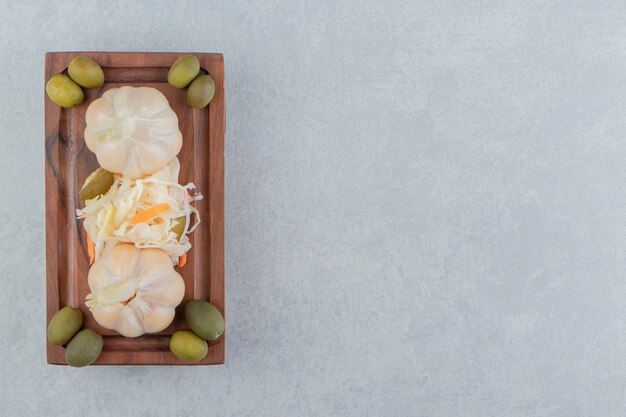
x=188, y=346
x=64, y=92
x=64, y=325
x=201, y=91
x=84, y=348
x=183, y=71
x=204, y=319
x=86, y=72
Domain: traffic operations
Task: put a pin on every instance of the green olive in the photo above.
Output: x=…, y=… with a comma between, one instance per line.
x=204, y=319
x=183, y=71
x=86, y=72
x=64, y=92
x=64, y=324
x=201, y=91
x=187, y=346
x=180, y=226
x=97, y=183
x=84, y=348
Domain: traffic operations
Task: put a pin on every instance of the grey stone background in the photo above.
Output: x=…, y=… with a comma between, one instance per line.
x=424, y=209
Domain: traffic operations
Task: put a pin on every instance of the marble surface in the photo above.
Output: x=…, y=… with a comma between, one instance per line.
x=423, y=208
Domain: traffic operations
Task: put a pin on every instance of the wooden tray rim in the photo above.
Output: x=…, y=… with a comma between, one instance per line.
x=54, y=64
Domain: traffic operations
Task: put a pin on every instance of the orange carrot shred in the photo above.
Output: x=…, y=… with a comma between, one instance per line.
x=182, y=260
x=91, y=250
x=145, y=215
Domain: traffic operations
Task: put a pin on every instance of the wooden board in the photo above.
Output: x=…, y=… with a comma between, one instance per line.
x=68, y=162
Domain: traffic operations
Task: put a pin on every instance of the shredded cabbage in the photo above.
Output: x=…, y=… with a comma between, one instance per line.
x=107, y=218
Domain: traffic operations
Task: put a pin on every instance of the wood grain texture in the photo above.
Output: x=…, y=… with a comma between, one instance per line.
x=68, y=162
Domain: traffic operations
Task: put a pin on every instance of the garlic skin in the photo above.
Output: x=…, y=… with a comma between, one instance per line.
x=133, y=131
x=134, y=291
